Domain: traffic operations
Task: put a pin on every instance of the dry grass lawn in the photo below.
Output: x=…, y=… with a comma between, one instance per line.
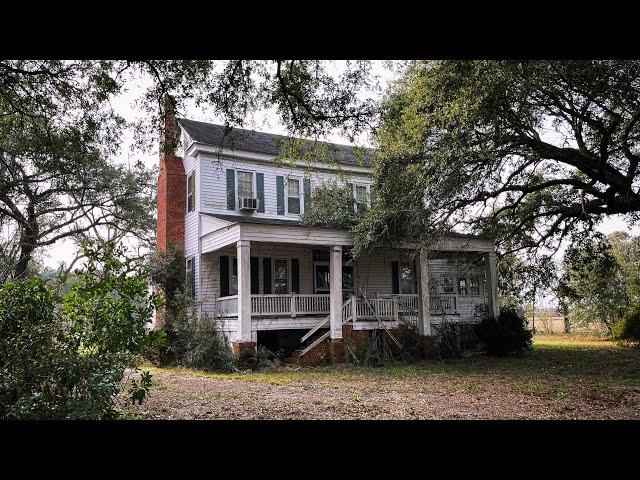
x=563, y=377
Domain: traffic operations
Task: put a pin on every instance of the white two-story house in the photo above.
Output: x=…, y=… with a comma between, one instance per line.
x=271, y=281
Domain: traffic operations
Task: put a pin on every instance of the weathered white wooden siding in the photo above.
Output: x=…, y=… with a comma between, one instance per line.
x=191, y=220
x=214, y=184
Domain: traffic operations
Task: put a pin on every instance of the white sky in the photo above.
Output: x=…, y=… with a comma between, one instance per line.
x=266, y=121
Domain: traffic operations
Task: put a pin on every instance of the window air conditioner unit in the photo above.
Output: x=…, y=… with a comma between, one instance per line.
x=248, y=203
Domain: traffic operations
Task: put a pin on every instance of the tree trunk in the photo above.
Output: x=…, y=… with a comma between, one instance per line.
x=28, y=242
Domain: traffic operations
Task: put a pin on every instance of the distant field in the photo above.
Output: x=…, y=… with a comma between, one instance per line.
x=565, y=376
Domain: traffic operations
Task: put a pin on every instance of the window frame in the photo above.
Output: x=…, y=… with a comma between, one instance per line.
x=191, y=195
x=465, y=287
x=299, y=179
x=367, y=187
x=273, y=275
x=442, y=284
x=413, y=274
x=253, y=184
x=479, y=286
x=190, y=283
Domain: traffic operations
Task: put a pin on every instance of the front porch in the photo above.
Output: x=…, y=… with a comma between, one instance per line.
x=263, y=277
x=294, y=310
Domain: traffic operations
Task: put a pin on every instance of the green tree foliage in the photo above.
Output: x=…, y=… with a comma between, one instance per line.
x=593, y=285
x=59, y=134
x=628, y=327
x=57, y=178
x=66, y=357
x=503, y=335
x=524, y=152
x=331, y=205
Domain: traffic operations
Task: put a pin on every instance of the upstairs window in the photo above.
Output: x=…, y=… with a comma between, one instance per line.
x=293, y=196
x=361, y=197
x=245, y=184
x=191, y=188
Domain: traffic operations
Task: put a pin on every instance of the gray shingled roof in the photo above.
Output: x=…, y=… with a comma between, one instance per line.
x=260, y=142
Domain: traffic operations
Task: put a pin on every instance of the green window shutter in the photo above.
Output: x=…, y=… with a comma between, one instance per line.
x=307, y=193
x=224, y=276
x=280, y=194
x=255, y=275
x=231, y=189
x=395, y=279
x=260, y=191
x=295, y=275
x=266, y=275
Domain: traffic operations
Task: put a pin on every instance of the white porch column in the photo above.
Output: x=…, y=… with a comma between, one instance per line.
x=492, y=284
x=424, y=317
x=335, y=271
x=243, y=334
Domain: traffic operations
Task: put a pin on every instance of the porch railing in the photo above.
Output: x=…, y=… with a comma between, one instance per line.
x=227, y=306
x=383, y=306
x=408, y=303
x=277, y=304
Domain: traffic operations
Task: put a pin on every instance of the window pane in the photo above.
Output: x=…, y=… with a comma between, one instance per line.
x=294, y=187
x=281, y=281
x=190, y=190
x=322, y=278
x=462, y=286
x=407, y=282
x=347, y=279
x=233, y=280
x=245, y=185
x=474, y=285
x=320, y=255
x=361, y=194
x=294, y=205
x=447, y=285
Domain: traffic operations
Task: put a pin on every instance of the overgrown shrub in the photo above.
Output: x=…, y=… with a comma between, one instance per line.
x=373, y=350
x=154, y=347
x=257, y=359
x=506, y=334
x=378, y=348
x=196, y=342
x=65, y=357
x=628, y=327
x=455, y=340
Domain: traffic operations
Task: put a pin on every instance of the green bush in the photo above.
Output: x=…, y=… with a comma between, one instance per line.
x=257, y=359
x=628, y=327
x=195, y=342
x=506, y=334
x=154, y=347
x=65, y=357
x=373, y=350
x=454, y=340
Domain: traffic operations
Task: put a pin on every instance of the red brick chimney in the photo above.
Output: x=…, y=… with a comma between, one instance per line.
x=171, y=183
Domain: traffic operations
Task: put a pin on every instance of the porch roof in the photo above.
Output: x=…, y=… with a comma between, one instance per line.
x=252, y=219
x=228, y=229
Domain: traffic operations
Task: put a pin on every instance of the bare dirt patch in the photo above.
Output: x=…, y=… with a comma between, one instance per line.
x=564, y=377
